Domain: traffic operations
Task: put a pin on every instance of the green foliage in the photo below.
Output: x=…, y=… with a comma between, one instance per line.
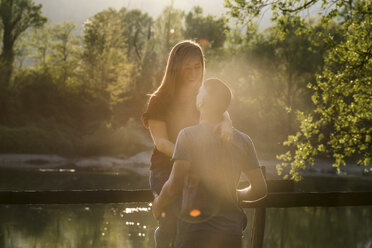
x=106, y=140
x=20, y=14
x=209, y=31
x=48, y=136
x=74, y=91
x=137, y=30
x=64, y=52
x=51, y=48
x=38, y=42
x=16, y=17
x=141, y=52
x=34, y=139
x=168, y=30
x=105, y=69
x=340, y=125
x=21, y=52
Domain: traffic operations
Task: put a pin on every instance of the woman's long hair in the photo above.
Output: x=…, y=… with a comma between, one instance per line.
x=173, y=72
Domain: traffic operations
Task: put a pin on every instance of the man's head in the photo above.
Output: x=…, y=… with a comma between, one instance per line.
x=214, y=97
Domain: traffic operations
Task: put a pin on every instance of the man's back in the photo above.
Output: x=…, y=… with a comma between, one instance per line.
x=209, y=196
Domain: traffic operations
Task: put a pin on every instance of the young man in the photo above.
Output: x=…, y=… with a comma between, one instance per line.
x=206, y=171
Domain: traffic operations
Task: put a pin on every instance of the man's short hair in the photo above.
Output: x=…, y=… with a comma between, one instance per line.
x=219, y=94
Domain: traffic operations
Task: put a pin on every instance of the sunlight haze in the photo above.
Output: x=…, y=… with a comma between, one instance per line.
x=79, y=10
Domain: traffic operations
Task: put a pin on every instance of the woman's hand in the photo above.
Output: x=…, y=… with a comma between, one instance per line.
x=225, y=128
x=156, y=208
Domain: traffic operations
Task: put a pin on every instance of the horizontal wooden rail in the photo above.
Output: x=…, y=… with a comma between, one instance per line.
x=274, y=186
x=105, y=196
x=314, y=199
x=75, y=196
x=273, y=200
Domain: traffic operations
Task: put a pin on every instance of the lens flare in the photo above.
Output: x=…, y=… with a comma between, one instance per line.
x=204, y=42
x=195, y=212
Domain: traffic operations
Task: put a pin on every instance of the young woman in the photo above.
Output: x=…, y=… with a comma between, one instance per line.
x=171, y=108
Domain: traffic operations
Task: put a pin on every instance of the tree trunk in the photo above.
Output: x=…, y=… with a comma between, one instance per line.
x=289, y=102
x=7, y=55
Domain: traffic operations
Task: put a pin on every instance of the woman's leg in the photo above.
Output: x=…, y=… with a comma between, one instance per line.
x=166, y=232
x=207, y=239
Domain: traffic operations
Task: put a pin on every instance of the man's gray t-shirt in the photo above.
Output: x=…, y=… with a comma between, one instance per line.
x=215, y=171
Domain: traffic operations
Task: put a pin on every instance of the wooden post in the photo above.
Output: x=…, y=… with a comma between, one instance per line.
x=259, y=218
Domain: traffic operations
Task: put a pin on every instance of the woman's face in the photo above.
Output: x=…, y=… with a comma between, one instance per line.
x=192, y=70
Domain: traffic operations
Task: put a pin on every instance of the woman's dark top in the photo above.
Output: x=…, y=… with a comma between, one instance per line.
x=177, y=115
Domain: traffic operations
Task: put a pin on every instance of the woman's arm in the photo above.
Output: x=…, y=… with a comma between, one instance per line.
x=225, y=127
x=172, y=187
x=159, y=134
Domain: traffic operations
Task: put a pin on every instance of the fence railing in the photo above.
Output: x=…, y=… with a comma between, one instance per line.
x=273, y=200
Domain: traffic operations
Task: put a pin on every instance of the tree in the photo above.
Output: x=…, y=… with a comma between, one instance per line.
x=54, y=49
x=137, y=28
x=168, y=31
x=140, y=45
x=292, y=60
x=16, y=17
x=207, y=30
x=21, y=52
x=105, y=70
x=39, y=43
x=341, y=125
x=64, y=51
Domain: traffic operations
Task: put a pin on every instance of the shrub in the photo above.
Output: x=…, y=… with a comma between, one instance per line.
x=128, y=140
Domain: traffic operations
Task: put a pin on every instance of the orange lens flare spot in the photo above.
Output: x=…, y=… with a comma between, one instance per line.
x=195, y=212
x=162, y=214
x=204, y=42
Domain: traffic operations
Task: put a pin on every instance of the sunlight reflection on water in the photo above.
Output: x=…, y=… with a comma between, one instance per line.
x=57, y=170
x=136, y=210
x=96, y=225
x=132, y=225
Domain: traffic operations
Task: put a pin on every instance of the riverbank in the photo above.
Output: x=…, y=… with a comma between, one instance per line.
x=137, y=164
x=140, y=162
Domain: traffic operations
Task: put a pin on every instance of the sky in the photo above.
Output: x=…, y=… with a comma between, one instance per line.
x=79, y=10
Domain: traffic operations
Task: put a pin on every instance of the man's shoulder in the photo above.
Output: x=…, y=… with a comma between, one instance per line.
x=191, y=130
x=188, y=133
x=241, y=137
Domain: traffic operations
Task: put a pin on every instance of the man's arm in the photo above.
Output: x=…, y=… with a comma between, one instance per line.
x=172, y=187
x=257, y=188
